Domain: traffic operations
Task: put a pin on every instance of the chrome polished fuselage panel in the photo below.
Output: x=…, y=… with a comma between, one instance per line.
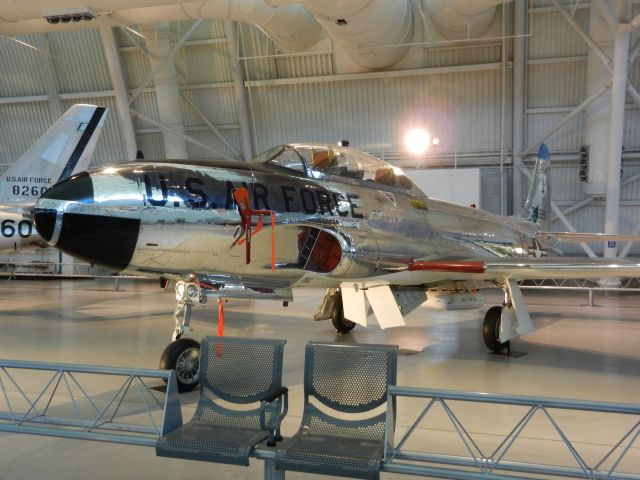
x=178, y=218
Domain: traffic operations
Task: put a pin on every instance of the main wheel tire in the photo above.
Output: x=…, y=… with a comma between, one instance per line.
x=341, y=324
x=183, y=356
x=491, y=330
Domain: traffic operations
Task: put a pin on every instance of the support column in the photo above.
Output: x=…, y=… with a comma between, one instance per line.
x=167, y=90
x=503, y=111
x=598, y=115
x=242, y=104
x=519, y=79
x=616, y=127
x=117, y=81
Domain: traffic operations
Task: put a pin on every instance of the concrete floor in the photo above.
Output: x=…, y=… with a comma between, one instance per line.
x=577, y=352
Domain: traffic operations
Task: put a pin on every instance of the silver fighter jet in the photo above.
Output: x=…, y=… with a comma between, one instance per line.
x=308, y=216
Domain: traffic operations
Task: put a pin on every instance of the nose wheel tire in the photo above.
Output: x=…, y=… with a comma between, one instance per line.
x=341, y=324
x=183, y=356
x=491, y=330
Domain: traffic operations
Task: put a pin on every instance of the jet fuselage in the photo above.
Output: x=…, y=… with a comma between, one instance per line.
x=179, y=218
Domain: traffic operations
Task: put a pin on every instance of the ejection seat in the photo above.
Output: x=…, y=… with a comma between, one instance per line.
x=234, y=372
x=321, y=160
x=343, y=424
x=385, y=176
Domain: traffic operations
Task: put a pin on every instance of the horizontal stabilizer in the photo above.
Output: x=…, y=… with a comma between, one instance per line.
x=579, y=237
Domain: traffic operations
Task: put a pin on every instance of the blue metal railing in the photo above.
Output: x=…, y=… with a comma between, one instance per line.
x=54, y=399
x=483, y=463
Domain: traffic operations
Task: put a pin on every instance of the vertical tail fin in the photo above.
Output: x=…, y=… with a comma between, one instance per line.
x=537, y=208
x=64, y=149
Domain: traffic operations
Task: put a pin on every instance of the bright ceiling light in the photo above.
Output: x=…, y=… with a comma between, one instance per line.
x=417, y=141
x=435, y=141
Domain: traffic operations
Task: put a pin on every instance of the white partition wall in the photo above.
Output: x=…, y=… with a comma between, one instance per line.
x=460, y=185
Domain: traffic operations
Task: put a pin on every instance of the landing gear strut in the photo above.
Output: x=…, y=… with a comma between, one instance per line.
x=187, y=293
x=183, y=354
x=491, y=330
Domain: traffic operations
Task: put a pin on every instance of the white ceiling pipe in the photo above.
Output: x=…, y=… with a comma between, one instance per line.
x=291, y=26
x=460, y=19
x=374, y=32
x=14, y=10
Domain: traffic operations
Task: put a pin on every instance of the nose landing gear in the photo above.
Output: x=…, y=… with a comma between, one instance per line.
x=183, y=354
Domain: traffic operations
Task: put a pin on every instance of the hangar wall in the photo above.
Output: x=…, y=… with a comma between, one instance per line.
x=453, y=88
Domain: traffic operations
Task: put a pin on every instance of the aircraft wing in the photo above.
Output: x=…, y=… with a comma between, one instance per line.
x=577, y=237
x=527, y=268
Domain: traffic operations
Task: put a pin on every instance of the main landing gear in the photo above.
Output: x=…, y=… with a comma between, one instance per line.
x=183, y=354
x=491, y=330
x=341, y=324
x=332, y=308
x=511, y=320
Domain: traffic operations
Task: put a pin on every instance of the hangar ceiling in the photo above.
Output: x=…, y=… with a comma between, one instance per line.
x=242, y=76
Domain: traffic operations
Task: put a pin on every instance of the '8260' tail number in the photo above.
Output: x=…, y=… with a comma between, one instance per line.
x=26, y=190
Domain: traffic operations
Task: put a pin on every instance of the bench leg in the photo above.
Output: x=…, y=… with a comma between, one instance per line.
x=271, y=472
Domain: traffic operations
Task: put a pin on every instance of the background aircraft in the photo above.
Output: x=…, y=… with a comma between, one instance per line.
x=64, y=149
x=308, y=216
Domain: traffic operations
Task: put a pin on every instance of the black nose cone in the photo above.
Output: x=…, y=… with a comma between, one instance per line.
x=45, y=221
x=78, y=188
x=99, y=239
x=68, y=217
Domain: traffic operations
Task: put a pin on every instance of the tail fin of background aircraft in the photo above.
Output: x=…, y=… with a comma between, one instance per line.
x=537, y=208
x=64, y=149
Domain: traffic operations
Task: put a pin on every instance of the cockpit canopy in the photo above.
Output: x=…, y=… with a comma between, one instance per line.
x=337, y=164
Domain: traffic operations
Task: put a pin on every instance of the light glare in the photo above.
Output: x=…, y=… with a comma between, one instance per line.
x=417, y=141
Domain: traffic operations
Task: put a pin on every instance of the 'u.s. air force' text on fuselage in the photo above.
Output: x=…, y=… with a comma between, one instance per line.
x=205, y=192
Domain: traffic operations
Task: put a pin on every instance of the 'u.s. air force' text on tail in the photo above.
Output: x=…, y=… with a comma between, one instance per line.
x=64, y=149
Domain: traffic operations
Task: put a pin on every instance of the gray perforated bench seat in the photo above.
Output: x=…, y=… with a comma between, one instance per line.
x=198, y=440
x=350, y=457
x=344, y=434
x=234, y=372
